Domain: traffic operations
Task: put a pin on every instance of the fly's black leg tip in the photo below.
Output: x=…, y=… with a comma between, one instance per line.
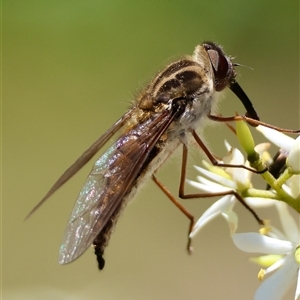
x=190, y=249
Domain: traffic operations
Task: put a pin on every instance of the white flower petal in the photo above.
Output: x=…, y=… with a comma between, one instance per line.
x=288, y=223
x=213, y=211
x=262, y=147
x=210, y=183
x=255, y=242
x=240, y=176
x=208, y=188
x=221, y=185
x=287, y=189
x=234, y=157
x=217, y=178
x=202, y=222
x=276, y=233
x=276, y=137
x=294, y=186
x=227, y=145
x=297, y=293
x=259, y=202
x=293, y=159
x=274, y=287
x=232, y=220
x=276, y=265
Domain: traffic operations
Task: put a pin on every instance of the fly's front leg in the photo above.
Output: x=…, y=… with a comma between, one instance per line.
x=253, y=121
x=215, y=162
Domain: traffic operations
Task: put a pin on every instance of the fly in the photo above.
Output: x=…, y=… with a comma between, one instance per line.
x=166, y=115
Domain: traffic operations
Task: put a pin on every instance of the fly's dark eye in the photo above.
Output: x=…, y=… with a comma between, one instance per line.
x=222, y=66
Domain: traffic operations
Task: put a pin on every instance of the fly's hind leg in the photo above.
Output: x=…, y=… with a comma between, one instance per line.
x=181, y=208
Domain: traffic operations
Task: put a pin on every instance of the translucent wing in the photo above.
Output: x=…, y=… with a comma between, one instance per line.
x=83, y=159
x=109, y=181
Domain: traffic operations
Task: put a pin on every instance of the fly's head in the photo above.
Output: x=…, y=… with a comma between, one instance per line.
x=219, y=67
x=222, y=66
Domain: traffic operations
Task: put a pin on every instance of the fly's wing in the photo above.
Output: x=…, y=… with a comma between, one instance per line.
x=110, y=179
x=83, y=159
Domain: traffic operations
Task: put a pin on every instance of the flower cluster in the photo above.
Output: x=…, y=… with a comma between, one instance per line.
x=281, y=249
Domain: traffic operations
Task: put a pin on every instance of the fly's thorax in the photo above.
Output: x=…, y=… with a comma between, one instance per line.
x=192, y=84
x=189, y=80
x=185, y=78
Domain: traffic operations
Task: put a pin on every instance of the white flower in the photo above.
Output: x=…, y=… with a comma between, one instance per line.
x=293, y=160
x=221, y=207
x=292, y=146
x=278, y=138
x=217, y=180
x=293, y=187
x=285, y=244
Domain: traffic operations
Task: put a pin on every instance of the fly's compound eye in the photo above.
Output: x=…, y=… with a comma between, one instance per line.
x=222, y=66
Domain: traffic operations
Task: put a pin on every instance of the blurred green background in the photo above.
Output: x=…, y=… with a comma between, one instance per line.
x=70, y=69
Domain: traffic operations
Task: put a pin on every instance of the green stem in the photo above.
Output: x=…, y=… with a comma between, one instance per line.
x=257, y=163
